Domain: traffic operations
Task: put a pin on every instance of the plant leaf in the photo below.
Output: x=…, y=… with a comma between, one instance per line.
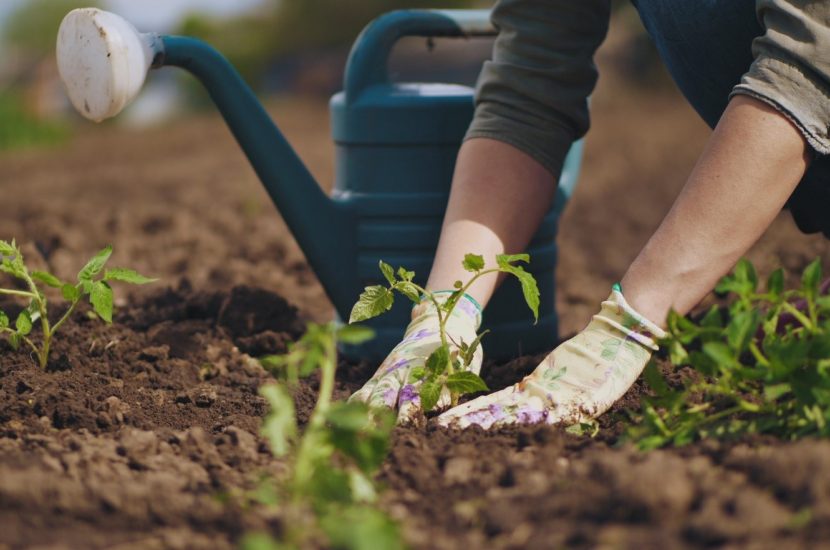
x=360, y=527
x=354, y=334
x=47, y=279
x=405, y=275
x=529, y=288
x=437, y=361
x=70, y=293
x=23, y=323
x=95, y=264
x=506, y=259
x=101, y=299
x=4, y=320
x=409, y=290
x=388, y=272
x=125, y=275
x=374, y=301
x=811, y=278
x=430, y=393
x=7, y=248
x=280, y=425
x=466, y=382
x=473, y=262
x=775, y=282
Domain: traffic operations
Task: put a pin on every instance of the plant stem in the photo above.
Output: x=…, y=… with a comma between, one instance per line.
x=22, y=293
x=25, y=339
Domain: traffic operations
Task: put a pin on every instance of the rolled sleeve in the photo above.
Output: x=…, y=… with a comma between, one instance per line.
x=791, y=70
x=533, y=94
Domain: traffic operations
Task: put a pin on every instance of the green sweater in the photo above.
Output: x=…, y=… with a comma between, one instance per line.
x=534, y=93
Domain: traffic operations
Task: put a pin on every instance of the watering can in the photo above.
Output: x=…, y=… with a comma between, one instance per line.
x=396, y=145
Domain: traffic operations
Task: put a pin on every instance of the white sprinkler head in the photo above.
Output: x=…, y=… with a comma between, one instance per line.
x=103, y=61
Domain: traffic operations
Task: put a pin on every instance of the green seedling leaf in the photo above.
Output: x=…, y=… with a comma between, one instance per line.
x=7, y=248
x=101, y=299
x=70, y=293
x=374, y=301
x=654, y=379
x=417, y=374
x=466, y=382
x=720, y=353
x=125, y=275
x=360, y=433
x=529, y=288
x=473, y=262
x=388, y=272
x=354, y=334
x=409, y=290
x=4, y=320
x=811, y=279
x=430, y=393
x=405, y=275
x=437, y=361
x=467, y=352
x=775, y=282
x=504, y=260
x=23, y=323
x=261, y=541
x=360, y=527
x=95, y=265
x=14, y=341
x=47, y=279
x=280, y=426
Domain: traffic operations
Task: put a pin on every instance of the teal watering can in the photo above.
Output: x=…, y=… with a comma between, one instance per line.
x=396, y=148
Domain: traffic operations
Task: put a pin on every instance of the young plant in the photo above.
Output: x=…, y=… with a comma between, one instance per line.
x=328, y=495
x=91, y=283
x=447, y=366
x=762, y=365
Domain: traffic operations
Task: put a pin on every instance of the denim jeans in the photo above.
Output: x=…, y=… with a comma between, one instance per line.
x=706, y=46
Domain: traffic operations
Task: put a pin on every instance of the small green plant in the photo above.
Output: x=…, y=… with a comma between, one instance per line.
x=91, y=283
x=762, y=365
x=445, y=366
x=328, y=494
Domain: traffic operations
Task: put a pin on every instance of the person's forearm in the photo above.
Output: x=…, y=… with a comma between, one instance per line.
x=749, y=168
x=499, y=197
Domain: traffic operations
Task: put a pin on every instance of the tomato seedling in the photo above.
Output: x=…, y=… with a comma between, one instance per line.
x=328, y=494
x=762, y=365
x=447, y=366
x=91, y=283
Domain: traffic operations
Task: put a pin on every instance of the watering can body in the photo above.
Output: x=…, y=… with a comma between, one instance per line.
x=396, y=145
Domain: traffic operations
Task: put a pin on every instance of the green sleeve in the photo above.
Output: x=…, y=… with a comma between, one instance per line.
x=533, y=94
x=791, y=71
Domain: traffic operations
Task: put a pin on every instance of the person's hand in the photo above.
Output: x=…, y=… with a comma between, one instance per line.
x=578, y=381
x=390, y=386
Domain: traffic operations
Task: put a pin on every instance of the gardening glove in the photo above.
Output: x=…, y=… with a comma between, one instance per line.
x=391, y=386
x=578, y=381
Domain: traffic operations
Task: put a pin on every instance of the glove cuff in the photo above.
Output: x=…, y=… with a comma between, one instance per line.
x=618, y=313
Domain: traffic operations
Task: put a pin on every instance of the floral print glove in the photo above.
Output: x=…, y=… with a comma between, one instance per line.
x=578, y=381
x=390, y=386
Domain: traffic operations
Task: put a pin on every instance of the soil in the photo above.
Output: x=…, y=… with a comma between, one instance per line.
x=139, y=430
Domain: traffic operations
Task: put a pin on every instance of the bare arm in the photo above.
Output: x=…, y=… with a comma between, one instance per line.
x=749, y=168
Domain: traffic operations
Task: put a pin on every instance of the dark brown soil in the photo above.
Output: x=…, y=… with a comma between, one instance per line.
x=140, y=430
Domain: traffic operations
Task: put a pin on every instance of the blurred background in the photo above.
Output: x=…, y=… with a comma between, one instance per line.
x=279, y=46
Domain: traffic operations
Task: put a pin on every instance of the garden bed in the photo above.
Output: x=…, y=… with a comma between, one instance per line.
x=141, y=434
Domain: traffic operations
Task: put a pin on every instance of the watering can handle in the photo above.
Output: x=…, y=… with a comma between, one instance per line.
x=368, y=59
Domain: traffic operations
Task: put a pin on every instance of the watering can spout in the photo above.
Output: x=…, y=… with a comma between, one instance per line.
x=103, y=61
